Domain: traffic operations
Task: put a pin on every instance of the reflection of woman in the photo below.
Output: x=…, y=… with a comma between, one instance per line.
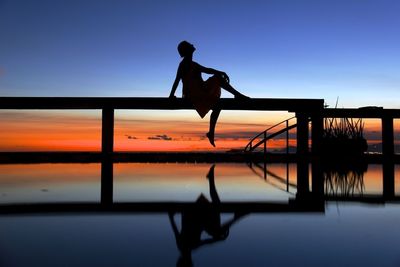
x=204, y=216
x=204, y=95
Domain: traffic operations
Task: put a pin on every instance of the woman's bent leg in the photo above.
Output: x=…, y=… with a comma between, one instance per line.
x=225, y=85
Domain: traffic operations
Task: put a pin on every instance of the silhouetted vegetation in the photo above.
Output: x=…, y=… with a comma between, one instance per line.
x=343, y=136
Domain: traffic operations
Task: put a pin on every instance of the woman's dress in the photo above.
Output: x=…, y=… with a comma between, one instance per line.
x=204, y=95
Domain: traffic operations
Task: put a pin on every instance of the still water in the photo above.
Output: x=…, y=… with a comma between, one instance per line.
x=345, y=233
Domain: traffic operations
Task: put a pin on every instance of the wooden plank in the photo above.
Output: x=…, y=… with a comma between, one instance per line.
x=361, y=113
x=273, y=104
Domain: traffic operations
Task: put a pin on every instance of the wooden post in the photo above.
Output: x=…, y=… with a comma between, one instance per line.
x=317, y=130
x=107, y=132
x=388, y=152
x=387, y=136
x=302, y=134
x=287, y=137
x=302, y=151
x=265, y=144
x=107, y=148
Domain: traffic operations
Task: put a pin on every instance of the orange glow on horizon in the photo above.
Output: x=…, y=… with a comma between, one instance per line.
x=139, y=131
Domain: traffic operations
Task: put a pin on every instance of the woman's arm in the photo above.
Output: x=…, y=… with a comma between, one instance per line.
x=176, y=83
x=213, y=71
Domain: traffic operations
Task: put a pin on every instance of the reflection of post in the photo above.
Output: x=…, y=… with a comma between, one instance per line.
x=388, y=179
x=317, y=177
x=107, y=180
x=302, y=178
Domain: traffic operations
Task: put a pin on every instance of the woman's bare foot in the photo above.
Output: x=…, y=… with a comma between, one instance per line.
x=210, y=138
x=241, y=97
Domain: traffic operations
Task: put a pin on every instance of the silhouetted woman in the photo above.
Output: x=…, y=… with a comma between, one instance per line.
x=202, y=216
x=204, y=95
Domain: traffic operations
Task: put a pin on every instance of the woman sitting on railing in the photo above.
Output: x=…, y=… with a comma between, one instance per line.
x=204, y=95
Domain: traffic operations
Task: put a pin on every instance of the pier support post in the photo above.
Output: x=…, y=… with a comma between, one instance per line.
x=317, y=124
x=107, y=148
x=388, y=152
x=107, y=132
x=302, y=134
x=317, y=130
x=302, y=153
x=387, y=137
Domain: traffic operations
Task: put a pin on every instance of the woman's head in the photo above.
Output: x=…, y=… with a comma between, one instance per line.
x=185, y=48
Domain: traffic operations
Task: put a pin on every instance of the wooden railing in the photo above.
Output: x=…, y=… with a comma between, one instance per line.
x=266, y=135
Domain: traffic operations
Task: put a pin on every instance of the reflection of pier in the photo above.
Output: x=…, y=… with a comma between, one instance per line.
x=266, y=174
x=350, y=189
x=305, y=200
x=158, y=207
x=301, y=203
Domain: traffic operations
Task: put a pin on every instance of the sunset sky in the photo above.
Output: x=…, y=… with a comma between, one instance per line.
x=345, y=49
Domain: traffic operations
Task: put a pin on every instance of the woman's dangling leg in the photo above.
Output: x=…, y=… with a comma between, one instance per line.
x=213, y=121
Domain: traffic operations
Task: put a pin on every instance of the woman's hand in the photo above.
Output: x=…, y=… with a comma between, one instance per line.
x=225, y=76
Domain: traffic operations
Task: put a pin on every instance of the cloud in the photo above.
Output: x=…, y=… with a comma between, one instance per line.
x=130, y=136
x=160, y=137
x=237, y=134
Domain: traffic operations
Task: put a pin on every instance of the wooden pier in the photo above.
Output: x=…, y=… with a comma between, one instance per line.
x=303, y=108
x=386, y=116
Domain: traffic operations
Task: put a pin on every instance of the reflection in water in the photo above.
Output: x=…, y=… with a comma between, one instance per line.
x=54, y=183
x=203, y=216
x=110, y=239
x=277, y=181
x=184, y=182
x=344, y=180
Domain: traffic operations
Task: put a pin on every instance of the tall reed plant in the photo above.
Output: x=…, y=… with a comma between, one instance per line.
x=344, y=135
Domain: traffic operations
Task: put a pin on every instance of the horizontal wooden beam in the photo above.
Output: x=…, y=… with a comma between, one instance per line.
x=157, y=103
x=366, y=112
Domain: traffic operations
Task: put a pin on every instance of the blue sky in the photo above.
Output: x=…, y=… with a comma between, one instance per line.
x=282, y=48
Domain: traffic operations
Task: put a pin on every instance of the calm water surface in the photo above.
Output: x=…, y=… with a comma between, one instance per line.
x=346, y=234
